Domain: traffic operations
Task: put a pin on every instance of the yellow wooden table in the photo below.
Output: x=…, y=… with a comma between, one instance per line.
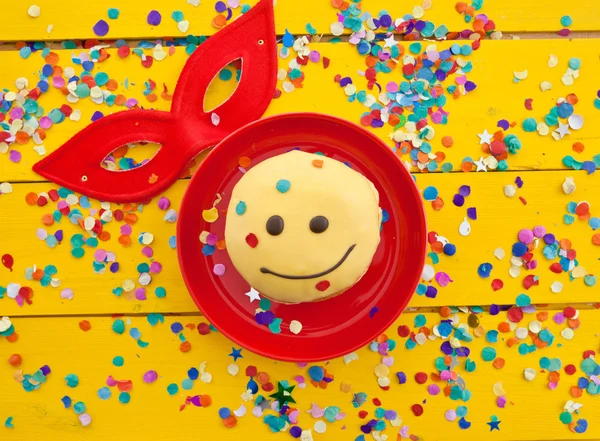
x=51, y=332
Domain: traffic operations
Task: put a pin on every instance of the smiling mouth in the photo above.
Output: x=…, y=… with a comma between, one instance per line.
x=312, y=276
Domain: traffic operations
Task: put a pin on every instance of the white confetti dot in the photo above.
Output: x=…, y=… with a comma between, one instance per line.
x=556, y=287
x=206, y=377
x=510, y=190
x=521, y=333
x=215, y=119
x=233, y=369
x=12, y=290
x=145, y=279
x=320, y=426
x=34, y=11
x=576, y=122
x=552, y=60
x=535, y=327
x=499, y=253
x=128, y=285
x=240, y=412
x=295, y=327
x=498, y=389
x=5, y=324
x=569, y=185
x=288, y=86
x=529, y=374
x=353, y=356
x=545, y=85
x=337, y=28
x=6, y=188
x=183, y=25
x=514, y=271
x=521, y=75
x=464, y=228
x=567, y=80
x=384, y=381
x=194, y=3
x=567, y=333
x=67, y=294
x=428, y=272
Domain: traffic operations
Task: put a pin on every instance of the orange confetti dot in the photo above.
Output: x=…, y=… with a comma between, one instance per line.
x=205, y=400
x=318, y=163
x=337, y=3
x=572, y=99
x=186, y=346
x=542, y=316
x=230, y=421
x=12, y=338
x=437, y=204
x=499, y=363
x=245, y=162
x=596, y=239
x=576, y=392
x=447, y=141
x=47, y=219
x=104, y=236
x=152, y=179
x=52, y=58
x=85, y=325
x=512, y=341
x=262, y=378
x=504, y=327
x=467, y=166
x=578, y=147
x=112, y=85
x=219, y=21
x=15, y=360
x=554, y=377
x=445, y=311
x=130, y=218
x=125, y=240
x=461, y=7
x=220, y=245
x=31, y=198
x=565, y=244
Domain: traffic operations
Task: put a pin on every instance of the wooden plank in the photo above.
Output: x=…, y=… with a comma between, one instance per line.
x=497, y=97
x=532, y=412
x=499, y=219
x=72, y=19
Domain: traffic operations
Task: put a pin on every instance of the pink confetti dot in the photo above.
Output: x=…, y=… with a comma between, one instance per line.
x=110, y=381
x=526, y=236
x=433, y=389
x=126, y=229
x=211, y=239
x=148, y=252
x=219, y=269
x=140, y=293
x=155, y=267
x=100, y=255
x=14, y=156
x=164, y=203
x=501, y=401
x=150, y=376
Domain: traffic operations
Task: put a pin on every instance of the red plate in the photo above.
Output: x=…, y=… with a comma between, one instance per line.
x=334, y=327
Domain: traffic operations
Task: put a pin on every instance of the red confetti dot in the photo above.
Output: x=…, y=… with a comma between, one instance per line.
x=515, y=314
x=421, y=377
x=556, y=268
x=252, y=240
x=530, y=281
x=529, y=103
x=570, y=369
x=323, y=285
x=251, y=371
x=569, y=312
x=376, y=401
x=268, y=387
x=497, y=284
x=363, y=414
x=403, y=331
x=588, y=354
x=203, y=328
x=417, y=409
x=15, y=360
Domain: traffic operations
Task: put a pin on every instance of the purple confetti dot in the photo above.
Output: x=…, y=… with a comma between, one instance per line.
x=385, y=21
x=220, y=7
x=164, y=203
x=401, y=377
x=458, y=200
x=494, y=310
x=472, y=213
x=446, y=348
x=470, y=86
x=464, y=190
x=150, y=376
x=45, y=370
x=114, y=267
x=519, y=182
x=549, y=239
x=97, y=115
x=374, y=310
x=100, y=28
x=147, y=251
x=503, y=124
x=431, y=292
x=463, y=351
x=154, y=18
x=195, y=400
x=564, y=32
x=14, y=156
x=59, y=235
x=345, y=81
x=140, y=293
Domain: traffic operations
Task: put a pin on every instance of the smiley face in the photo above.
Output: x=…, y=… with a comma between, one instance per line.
x=301, y=227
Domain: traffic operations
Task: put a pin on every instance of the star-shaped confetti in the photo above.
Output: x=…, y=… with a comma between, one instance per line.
x=494, y=425
x=252, y=295
x=481, y=165
x=236, y=353
x=390, y=42
x=563, y=129
x=283, y=394
x=485, y=137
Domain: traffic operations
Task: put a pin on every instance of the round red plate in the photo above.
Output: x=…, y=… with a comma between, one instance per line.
x=333, y=327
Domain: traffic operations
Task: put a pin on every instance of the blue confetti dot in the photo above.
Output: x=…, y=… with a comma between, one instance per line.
x=173, y=242
x=176, y=327
x=430, y=194
x=316, y=373
x=224, y=412
x=66, y=401
x=187, y=384
x=449, y=249
x=240, y=208
x=566, y=20
x=104, y=393
x=283, y=185
x=484, y=270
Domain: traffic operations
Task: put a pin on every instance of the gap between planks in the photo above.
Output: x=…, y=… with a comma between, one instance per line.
x=408, y=310
x=326, y=38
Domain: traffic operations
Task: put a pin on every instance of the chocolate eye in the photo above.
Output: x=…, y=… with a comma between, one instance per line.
x=275, y=225
x=318, y=224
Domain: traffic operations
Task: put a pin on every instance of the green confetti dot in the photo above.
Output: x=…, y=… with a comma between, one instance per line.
x=566, y=418
x=240, y=208
x=566, y=20
x=160, y=292
x=283, y=185
x=113, y=13
x=264, y=304
x=118, y=326
x=488, y=354
x=124, y=397
x=79, y=408
x=118, y=361
x=172, y=389
x=529, y=125
x=77, y=252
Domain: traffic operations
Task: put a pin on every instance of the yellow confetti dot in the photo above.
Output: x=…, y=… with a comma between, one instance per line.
x=211, y=215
